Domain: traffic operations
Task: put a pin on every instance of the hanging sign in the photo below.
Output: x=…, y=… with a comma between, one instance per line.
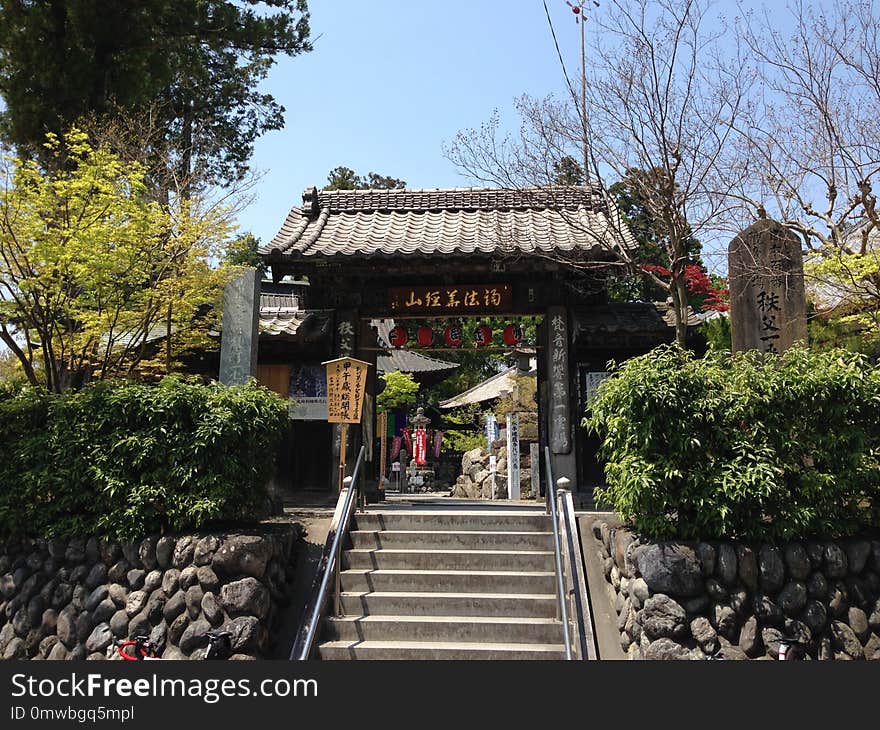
x=452, y=335
x=421, y=452
x=458, y=298
x=346, y=380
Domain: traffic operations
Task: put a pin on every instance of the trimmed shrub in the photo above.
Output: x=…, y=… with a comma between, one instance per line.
x=741, y=446
x=124, y=459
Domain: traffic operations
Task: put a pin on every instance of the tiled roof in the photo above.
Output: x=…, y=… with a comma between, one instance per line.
x=410, y=362
x=458, y=221
x=403, y=360
x=280, y=316
x=623, y=317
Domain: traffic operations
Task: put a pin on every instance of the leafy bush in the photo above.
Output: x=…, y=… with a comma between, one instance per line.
x=400, y=390
x=124, y=459
x=740, y=446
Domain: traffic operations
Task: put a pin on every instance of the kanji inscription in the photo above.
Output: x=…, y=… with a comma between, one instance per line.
x=458, y=298
x=346, y=380
x=560, y=408
x=767, y=303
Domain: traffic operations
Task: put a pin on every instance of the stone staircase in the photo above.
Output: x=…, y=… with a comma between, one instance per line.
x=443, y=584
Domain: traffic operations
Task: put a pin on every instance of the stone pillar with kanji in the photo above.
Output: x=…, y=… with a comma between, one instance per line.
x=767, y=301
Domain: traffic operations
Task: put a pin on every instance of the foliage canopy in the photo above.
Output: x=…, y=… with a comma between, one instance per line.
x=400, y=390
x=194, y=64
x=93, y=275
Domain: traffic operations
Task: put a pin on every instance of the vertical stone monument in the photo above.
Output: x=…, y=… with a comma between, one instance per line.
x=767, y=300
x=240, y=328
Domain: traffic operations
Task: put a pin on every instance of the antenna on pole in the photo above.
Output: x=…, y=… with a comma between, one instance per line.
x=580, y=18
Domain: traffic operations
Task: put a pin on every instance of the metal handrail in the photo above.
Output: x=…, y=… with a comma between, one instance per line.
x=327, y=566
x=557, y=549
x=583, y=624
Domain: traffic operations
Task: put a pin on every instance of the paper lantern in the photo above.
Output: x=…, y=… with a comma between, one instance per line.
x=513, y=334
x=425, y=336
x=398, y=336
x=452, y=335
x=482, y=335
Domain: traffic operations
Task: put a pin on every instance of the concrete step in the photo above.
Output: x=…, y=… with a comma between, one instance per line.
x=412, y=603
x=448, y=581
x=445, y=629
x=451, y=540
x=455, y=520
x=496, y=560
x=425, y=650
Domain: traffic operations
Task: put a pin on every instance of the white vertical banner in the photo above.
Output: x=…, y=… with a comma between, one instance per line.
x=513, y=456
x=490, y=430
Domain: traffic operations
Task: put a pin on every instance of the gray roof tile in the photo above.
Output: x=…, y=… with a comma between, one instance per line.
x=459, y=221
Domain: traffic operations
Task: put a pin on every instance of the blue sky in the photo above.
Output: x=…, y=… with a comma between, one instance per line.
x=390, y=81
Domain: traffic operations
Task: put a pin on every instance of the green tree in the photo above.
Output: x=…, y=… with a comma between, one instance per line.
x=631, y=193
x=400, y=390
x=243, y=251
x=568, y=171
x=96, y=279
x=194, y=64
x=344, y=178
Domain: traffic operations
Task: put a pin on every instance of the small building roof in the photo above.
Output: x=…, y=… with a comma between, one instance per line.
x=281, y=317
x=405, y=361
x=411, y=362
x=495, y=387
x=565, y=220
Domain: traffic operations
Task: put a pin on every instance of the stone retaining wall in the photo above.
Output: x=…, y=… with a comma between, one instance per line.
x=73, y=599
x=686, y=600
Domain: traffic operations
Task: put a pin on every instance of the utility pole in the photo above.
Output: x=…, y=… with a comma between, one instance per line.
x=580, y=19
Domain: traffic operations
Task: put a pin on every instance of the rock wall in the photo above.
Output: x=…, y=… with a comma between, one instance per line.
x=685, y=600
x=73, y=599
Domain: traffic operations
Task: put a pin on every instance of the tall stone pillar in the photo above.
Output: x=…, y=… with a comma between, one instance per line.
x=767, y=301
x=560, y=395
x=240, y=328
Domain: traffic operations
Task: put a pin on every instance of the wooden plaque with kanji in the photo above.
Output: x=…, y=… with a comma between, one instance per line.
x=346, y=380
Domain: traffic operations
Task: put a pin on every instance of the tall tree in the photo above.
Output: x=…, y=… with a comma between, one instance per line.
x=653, y=250
x=96, y=279
x=811, y=144
x=655, y=101
x=344, y=178
x=194, y=64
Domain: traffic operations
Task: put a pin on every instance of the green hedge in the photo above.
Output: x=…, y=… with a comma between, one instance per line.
x=123, y=459
x=741, y=446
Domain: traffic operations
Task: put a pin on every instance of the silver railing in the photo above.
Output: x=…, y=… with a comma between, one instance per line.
x=329, y=567
x=573, y=602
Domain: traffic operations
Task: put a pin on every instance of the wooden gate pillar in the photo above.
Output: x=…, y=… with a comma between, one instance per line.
x=561, y=393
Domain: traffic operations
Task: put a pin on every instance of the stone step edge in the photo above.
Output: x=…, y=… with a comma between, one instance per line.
x=406, y=618
x=450, y=532
x=450, y=645
x=489, y=513
x=444, y=551
x=436, y=595
x=479, y=573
